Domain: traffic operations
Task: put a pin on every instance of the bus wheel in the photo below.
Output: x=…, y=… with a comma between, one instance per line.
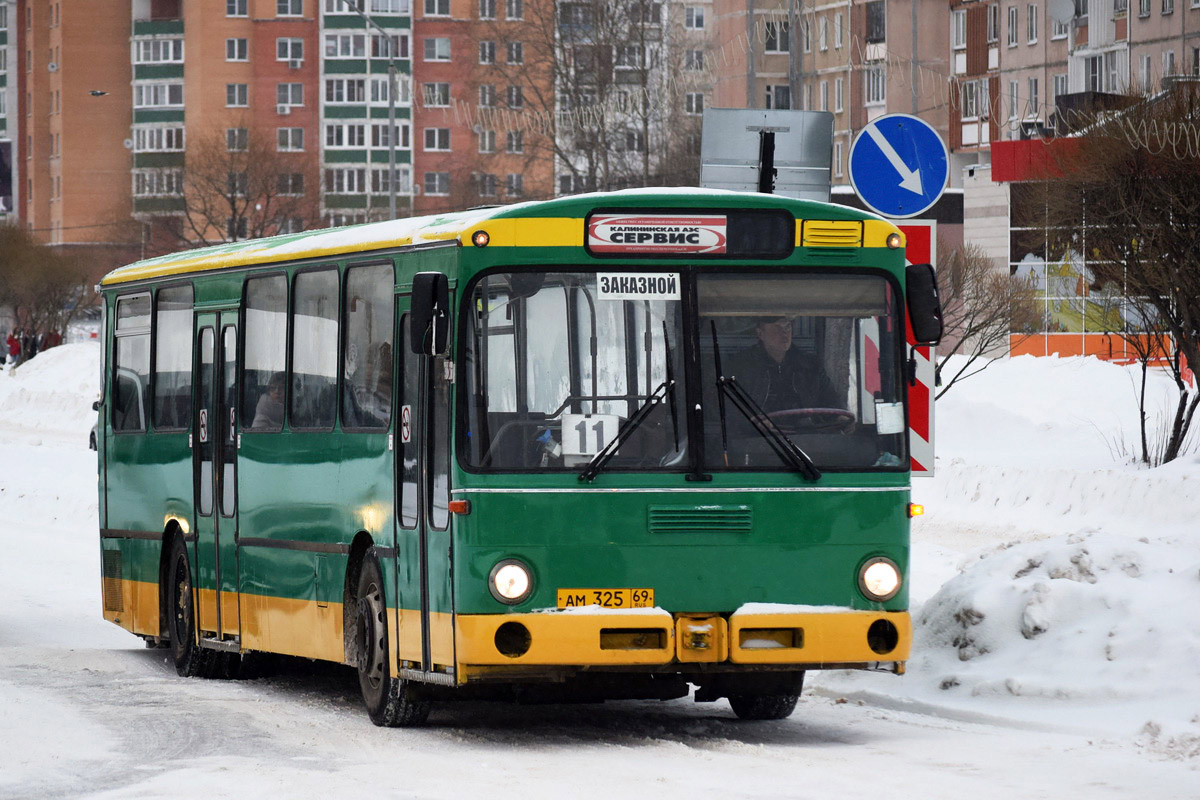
x=391, y=702
x=763, y=706
x=191, y=661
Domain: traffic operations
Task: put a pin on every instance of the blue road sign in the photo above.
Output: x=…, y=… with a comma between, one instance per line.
x=899, y=165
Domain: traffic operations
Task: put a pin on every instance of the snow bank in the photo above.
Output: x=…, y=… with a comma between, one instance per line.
x=52, y=394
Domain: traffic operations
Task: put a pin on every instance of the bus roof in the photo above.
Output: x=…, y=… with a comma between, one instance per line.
x=556, y=222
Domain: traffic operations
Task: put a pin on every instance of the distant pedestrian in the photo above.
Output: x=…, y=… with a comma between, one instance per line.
x=14, y=349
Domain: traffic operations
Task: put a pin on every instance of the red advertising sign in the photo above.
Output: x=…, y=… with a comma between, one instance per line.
x=656, y=233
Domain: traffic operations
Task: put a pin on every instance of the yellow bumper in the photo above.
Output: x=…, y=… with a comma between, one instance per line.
x=808, y=639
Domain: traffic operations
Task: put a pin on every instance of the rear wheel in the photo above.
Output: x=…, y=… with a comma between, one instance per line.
x=763, y=706
x=391, y=702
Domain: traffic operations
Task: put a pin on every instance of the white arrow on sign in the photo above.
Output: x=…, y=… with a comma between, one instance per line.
x=909, y=178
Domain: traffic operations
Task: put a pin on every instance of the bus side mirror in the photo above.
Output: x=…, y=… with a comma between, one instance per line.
x=429, y=314
x=924, y=305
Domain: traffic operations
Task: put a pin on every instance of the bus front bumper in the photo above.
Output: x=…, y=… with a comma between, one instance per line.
x=807, y=639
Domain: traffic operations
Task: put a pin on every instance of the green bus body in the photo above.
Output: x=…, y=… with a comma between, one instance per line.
x=311, y=505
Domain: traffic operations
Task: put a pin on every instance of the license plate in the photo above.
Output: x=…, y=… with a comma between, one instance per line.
x=606, y=598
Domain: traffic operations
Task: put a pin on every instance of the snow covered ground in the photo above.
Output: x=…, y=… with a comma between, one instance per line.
x=1056, y=593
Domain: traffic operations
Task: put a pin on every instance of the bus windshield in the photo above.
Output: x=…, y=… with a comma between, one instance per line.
x=557, y=362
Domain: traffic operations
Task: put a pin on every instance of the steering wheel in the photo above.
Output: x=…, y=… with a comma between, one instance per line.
x=803, y=420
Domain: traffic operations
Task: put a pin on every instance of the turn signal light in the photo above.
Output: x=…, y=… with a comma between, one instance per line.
x=480, y=238
x=460, y=507
x=914, y=509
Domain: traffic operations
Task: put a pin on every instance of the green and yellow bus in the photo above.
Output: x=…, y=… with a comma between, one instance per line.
x=605, y=446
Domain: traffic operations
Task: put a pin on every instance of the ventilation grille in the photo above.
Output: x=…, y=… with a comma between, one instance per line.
x=111, y=571
x=701, y=519
x=832, y=233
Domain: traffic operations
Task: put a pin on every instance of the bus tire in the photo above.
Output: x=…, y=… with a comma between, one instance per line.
x=391, y=702
x=191, y=660
x=763, y=706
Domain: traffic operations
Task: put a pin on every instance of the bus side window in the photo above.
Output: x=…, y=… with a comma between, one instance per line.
x=265, y=357
x=367, y=360
x=173, y=358
x=314, y=349
x=132, y=363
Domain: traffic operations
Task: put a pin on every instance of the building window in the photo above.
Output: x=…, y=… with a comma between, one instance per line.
x=876, y=84
x=487, y=52
x=777, y=36
x=435, y=95
x=344, y=90
x=157, y=182
x=237, y=50
x=345, y=134
x=1168, y=62
x=395, y=45
x=515, y=142
x=237, y=183
x=1168, y=7
x=237, y=139
x=157, y=95
x=289, y=8
x=1031, y=22
x=516, y=53
x=487, y=9
x=290, y=140
x=876, y=22
x=437, y=183
x=693, y=103
x=839, y=95
x=823, y=93
x=993, y=24
x=1034, y=110
x=1143, y=8
x=345, y=181
x=345, y=45
x=823, y=34
x=779, y=96
x=157, y=140
x=1147, y=77
x=514, y=9
x=693, y=60
x=487, y=185
x=380, y=138
x=487, y=95
x=289, y=94
x=380, y=94
x=156, y=51
x=1013, y=19
x=693, y=17
x=837, y=159
x=515, y=97
x=237, y=95
x=1059, y=30
x=806, y=36
x=437, y=49
x=437, y=8
x=969, y=100
x=837, y=30
x=487, y=141
x=381, y=181
x=289, y=49
x=958, y=29
x=437, y=139
x=1060, y=87
x=235, y=8
x=514, y=185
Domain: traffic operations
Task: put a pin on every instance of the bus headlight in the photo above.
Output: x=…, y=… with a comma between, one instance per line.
x=510, y=581
x=879, y=579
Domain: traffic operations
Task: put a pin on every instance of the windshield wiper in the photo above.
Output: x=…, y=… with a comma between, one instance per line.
x=787, y=450
x=665, y=390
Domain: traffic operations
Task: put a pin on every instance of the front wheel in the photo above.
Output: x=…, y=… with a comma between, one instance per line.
x=763, y=706
x=191, y=660
x=391, y=702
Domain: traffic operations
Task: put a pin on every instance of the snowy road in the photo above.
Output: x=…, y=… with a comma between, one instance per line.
x=86, y=711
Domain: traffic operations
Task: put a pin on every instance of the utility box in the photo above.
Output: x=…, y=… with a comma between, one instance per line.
x=789, y=153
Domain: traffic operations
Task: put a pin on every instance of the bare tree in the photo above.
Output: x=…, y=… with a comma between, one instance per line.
x=1126, y=192
x=238, y=185
x=46, y=289
x=982, y=308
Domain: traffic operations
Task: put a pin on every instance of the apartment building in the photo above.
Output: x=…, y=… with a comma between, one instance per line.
x=9, y=149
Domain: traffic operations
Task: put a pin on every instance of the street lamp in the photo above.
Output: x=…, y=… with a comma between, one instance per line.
x=391, y=110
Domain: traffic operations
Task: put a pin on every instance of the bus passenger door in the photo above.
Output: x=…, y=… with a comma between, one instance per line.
x=214, y=452
x=423, y=550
